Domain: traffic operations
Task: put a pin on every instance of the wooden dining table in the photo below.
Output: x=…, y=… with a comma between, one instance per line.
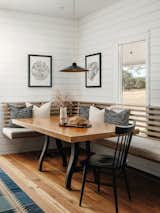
x=50, y=127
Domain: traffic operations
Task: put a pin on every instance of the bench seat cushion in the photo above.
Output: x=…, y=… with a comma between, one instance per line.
x=141, y=147
x=13, y=133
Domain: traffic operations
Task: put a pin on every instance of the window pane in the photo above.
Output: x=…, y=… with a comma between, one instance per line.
x=134, y=74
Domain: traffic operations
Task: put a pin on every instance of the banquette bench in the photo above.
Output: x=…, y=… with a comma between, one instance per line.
x=147, y=144
x=147, y=119
x=13, y=133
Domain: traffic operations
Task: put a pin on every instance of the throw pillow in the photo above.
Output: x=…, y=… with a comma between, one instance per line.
x=84, y=111
x=96, y=115
x=19, y=112
x=119, y=117
x=41, y=112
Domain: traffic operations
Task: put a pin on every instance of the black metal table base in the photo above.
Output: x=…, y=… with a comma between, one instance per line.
x=72, y=165
x=44, y=151
x=61, y=152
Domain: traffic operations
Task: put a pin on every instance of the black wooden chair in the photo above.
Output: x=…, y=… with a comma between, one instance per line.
x=115, y=165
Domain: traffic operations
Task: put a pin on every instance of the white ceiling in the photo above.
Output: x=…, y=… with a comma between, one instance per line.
x=56, y=8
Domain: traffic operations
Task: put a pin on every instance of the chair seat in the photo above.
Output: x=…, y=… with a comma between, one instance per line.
x=100, y=160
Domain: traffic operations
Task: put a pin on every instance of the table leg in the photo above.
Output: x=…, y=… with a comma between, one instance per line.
x=61, y=152
x=44, y=150
x=72, y=164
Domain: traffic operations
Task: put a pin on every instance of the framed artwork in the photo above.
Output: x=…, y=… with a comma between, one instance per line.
x=93, y=76
x=39, y=71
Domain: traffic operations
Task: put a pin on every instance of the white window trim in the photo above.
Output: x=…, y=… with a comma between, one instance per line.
x=118, y=68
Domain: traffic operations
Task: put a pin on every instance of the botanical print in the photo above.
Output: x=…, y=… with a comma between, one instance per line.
x=93, y=76
x=93, y=70
x=40, y=71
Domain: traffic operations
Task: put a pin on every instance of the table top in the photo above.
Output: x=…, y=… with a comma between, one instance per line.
x=50, y=126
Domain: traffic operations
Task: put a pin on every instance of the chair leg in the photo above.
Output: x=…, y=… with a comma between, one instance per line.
x=115, y=192
x=83, y=183
x=98, y=180
x=96, y=173
x=126, y=183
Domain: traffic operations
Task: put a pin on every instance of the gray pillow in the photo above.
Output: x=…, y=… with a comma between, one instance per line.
x=84, y=111
x=117, y=118
x=19, y=112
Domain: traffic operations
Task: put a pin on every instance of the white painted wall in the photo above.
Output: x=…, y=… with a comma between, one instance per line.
x=102, y=32
x=23, y=34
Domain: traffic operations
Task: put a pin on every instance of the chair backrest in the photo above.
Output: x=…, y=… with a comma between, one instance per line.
x=124, y=134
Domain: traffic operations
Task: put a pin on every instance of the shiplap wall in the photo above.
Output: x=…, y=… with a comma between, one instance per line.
x=103, y=31
x=125, y=21
x=22, y=34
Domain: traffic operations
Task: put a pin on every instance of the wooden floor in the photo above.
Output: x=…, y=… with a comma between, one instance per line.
x=47, y=188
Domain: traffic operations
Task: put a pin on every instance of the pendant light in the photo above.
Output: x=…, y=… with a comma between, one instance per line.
x=74, y=67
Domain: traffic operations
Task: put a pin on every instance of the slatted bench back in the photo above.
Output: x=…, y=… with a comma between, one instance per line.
x=6, y=111
x=147, y=118
x=76, y=106
x=137, y=113
x=134, y=111
x=153, y=122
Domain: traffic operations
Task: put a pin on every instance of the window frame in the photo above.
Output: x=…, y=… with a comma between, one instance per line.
x=118, y=76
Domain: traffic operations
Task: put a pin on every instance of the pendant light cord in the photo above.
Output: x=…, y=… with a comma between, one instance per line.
x=74, y=67
x=74, y=27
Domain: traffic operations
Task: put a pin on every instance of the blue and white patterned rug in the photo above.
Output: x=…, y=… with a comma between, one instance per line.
x=13, y=198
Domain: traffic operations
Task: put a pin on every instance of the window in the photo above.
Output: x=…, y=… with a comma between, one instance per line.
x=133, y=73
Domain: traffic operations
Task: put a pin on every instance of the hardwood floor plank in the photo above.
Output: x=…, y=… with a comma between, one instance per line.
x=47, y=188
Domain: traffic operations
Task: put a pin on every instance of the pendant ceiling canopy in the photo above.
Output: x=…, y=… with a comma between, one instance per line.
x=74, y=67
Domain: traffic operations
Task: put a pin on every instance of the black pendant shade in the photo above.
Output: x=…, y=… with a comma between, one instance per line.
x=74, y=68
